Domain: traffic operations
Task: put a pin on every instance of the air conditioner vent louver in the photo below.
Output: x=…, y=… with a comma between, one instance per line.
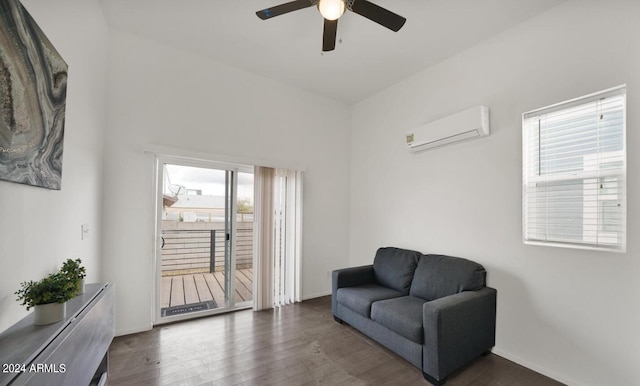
x=469, y=124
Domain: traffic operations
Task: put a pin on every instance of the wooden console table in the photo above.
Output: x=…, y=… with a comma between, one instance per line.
x=73, y=351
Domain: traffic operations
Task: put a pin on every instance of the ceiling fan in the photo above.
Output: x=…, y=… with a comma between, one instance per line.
x=331, y=10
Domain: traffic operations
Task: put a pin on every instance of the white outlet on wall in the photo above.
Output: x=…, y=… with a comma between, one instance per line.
x=85, y=231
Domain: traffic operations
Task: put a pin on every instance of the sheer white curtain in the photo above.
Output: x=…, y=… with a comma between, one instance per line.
x=277, y=236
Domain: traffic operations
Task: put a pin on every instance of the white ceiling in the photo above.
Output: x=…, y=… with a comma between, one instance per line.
x=368, y=57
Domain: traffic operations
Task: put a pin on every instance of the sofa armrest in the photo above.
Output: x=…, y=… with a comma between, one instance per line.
x=457, y=329
x=350, y=277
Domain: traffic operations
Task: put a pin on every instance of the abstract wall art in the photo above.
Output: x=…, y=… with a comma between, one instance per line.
x=33, y=90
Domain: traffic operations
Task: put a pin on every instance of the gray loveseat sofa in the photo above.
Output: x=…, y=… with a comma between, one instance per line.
x=435, y=311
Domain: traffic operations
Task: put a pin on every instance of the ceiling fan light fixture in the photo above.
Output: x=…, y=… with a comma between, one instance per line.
x=332, y=9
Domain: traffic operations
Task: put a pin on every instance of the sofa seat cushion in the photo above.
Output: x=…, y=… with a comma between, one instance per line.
x=438, y=276
x=401, y=315
x=359, y=299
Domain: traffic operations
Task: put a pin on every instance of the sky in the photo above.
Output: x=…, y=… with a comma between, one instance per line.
x=210, y=181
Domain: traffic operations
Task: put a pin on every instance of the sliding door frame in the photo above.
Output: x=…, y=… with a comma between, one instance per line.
x=230, y=282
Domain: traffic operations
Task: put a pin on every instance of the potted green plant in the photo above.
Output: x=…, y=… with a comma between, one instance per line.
x=75, y=272
x=48, y=297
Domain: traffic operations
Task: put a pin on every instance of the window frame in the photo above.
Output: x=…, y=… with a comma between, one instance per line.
x=600, y=175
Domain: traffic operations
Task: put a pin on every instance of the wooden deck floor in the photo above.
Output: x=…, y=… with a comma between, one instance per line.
x=203, y=287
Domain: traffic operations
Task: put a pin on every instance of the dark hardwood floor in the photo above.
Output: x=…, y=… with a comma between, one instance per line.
x=295, y=345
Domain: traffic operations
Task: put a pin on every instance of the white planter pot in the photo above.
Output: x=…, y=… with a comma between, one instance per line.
x=81, y=287
x=49, y=313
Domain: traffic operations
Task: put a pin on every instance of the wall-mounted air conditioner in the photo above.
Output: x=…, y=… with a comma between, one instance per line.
x=463, y=126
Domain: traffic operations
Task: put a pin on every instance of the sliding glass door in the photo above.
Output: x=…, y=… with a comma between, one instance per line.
x=204, y=251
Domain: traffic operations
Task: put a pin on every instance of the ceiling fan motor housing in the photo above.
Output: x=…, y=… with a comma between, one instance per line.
x=331, y=10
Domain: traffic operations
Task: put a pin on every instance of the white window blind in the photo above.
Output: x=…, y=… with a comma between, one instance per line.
x=287, y=232
x=574, y=173
x=277, y=237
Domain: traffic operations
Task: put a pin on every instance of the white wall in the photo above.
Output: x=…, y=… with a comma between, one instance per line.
x=164, y=96
x=40, y=228
x=571, y=314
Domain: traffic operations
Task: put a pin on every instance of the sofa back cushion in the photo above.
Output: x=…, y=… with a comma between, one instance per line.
x=437, y=276
x=394, y=268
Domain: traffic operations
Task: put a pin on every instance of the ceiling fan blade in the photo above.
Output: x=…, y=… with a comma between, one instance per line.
x=281, y=9
x=329, y=35
x=378, y=14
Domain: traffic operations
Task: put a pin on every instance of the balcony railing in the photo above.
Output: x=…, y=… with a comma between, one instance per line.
x=200, y=251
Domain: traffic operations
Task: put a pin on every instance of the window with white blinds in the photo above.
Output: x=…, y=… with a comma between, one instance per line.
x=574, y=173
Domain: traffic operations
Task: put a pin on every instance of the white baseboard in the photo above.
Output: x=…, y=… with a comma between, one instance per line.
x=133, y=330
x=532, y=366
x=317, y=295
